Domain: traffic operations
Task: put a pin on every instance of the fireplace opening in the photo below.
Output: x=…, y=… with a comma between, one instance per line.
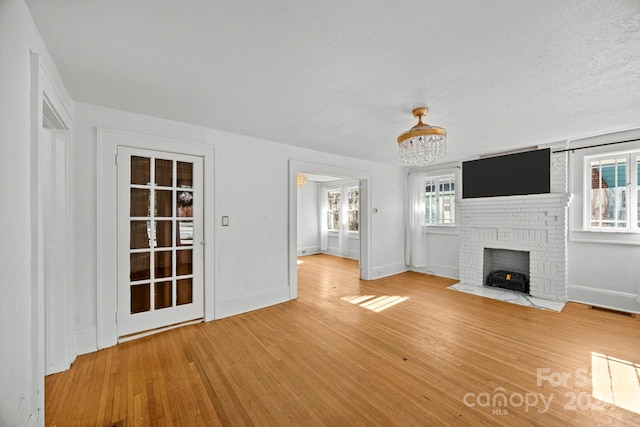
x=506, y=268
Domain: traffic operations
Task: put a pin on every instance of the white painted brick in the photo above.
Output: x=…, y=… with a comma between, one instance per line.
x=536, y=224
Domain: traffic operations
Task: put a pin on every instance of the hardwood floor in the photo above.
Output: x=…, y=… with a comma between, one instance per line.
x=438, y=357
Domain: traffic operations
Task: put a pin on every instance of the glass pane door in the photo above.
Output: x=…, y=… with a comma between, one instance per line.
x=162, y=230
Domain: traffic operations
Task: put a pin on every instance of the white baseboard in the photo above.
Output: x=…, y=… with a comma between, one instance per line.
x=242, y=304
x=332, y=251
x=308, y=250
x=442, y=270
x=354, y=257
x=86, y=340
x=603, y=298
x=388, y=270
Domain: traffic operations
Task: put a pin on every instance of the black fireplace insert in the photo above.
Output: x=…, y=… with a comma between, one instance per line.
x=509, y=280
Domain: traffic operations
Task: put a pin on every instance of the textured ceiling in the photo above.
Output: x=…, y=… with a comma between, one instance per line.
x=343, y=76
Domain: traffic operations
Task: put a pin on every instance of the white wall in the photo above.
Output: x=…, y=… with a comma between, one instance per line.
x=308, y=219
x=388, y=222
x=251, y=187
x=606, y=275
x=443, y=247
x=603, y=266
x=20, y=400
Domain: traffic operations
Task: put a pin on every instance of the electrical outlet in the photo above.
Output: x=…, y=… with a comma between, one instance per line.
x=225, y=221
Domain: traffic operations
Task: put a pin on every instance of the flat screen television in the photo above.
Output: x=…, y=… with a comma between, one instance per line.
x=509, y=175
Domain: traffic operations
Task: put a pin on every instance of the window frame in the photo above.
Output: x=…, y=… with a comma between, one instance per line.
x=347, y=189
x=333, y=211
x=630, y=199
x=437, y=180
x=342, y=188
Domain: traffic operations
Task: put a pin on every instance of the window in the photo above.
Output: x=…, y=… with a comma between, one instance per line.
x=440, y=200
x=353, y=210
x=340, y=202
x=333, y=209
x=613, y=196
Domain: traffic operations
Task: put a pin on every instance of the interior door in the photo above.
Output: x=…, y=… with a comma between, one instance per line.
x=160, y=239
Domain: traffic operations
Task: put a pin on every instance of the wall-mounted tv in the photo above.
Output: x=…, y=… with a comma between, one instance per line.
x=509, y=175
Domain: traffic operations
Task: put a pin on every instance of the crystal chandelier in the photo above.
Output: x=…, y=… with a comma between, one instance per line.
x=423, y=143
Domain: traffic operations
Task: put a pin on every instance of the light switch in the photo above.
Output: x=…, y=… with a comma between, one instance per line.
x=225, y=221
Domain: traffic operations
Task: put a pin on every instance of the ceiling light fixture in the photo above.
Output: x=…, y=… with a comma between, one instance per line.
x=423, y=143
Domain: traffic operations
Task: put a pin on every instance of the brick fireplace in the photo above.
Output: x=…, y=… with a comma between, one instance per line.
x=533, y=224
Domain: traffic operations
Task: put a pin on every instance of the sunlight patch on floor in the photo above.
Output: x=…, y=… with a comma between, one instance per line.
x=373, y=302
x=616, y=381
x=300, y=262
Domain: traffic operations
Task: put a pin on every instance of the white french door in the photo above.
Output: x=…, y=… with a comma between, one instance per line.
x=160, y=239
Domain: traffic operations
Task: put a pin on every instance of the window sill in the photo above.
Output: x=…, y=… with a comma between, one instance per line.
x=608, y=237
x=442, y=229
x=352, y=234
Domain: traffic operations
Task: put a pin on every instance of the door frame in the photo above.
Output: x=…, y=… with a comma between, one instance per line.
x=108, y=142
x=59, y=114
x=299, y=166
x=55, y=236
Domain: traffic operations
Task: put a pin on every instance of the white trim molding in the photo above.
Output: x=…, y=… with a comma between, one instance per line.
x=108, y=142
x=52, y=326
x=85, y=340
x=603, y=298
x=257, y=300
x=442, y=270
x=387, y=270
x=309, y=250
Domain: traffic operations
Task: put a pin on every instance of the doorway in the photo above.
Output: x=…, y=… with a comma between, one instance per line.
x=328, y=215
x=365, y=210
